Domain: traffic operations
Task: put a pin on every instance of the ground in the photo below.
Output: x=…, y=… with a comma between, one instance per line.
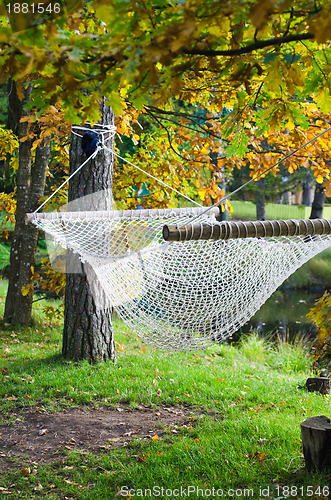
x=42, y=436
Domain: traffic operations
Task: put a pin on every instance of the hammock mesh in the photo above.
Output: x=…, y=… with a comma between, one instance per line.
x=180, y=295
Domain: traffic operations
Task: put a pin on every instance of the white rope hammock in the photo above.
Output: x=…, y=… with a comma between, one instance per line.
x=184, y=294
x=179, y=295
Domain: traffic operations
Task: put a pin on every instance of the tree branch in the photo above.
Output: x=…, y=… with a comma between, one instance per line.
x=259, y=44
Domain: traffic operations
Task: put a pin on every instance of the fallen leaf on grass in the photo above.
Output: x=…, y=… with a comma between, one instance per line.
x=155, y=438
x=26, y=471
x=143, y=458
x=257, y=454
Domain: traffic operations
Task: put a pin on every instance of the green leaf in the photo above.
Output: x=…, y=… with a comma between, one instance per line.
x=238, y=146
x=115, y=102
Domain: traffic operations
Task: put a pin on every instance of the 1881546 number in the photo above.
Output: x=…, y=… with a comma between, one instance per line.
x=33, y=8
x=308, y=491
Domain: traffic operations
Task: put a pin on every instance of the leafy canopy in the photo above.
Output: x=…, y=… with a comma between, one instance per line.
x=269, y=55
x=202, y=70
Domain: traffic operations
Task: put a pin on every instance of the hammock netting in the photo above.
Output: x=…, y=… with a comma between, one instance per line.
x=179, y=295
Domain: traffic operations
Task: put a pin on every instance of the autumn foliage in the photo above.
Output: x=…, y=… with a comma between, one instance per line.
x=320, y=316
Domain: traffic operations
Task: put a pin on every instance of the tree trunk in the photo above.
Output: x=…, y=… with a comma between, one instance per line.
x=320, y=384
x=23, y=184
x=23, y=306
x=260, y=200
x=224, y=214
x=316, y=443
x=88, y=332
x=307, y=190
x=30, y=188
x=318, y=203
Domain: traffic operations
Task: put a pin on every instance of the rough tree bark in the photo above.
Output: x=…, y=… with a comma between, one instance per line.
x=30, y=188
x=88, y=332
x=318, y=202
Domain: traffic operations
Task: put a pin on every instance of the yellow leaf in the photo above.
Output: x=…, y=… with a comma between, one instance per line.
x=27, y=290
x=202, y=193
x=155, y=438
x=319, y=179
x=323, y=100
x=222, y=28
x=295, y=75
x=106, y=13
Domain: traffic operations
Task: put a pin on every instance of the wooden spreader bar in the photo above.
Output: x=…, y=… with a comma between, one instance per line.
x=120, y=214
x=240, y=229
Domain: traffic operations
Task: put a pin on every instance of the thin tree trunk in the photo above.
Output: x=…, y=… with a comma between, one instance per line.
x=318, y=202
x=88, y=332
x=306, y=192
x=223, y=214
x=23, y=306
x=23, y=185
x=260, y=199
x=30, y=188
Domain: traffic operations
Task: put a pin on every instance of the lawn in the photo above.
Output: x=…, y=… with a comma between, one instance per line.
x=224, y=420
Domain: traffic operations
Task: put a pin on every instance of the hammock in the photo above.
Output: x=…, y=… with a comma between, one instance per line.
x=185, y=293
x=177, y=277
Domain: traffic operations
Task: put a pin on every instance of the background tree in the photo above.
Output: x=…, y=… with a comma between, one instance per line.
x=30, y=187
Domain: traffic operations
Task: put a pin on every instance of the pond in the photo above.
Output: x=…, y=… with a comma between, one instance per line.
x=284, y=314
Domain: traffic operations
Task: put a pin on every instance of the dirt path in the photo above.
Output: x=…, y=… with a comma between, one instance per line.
x=44, y=437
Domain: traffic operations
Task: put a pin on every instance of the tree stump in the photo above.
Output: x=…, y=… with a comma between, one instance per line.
x=321, y=384
x=316, y=442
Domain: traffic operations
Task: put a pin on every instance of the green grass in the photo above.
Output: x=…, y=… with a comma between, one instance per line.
x=4, y=255
x=250, y=438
